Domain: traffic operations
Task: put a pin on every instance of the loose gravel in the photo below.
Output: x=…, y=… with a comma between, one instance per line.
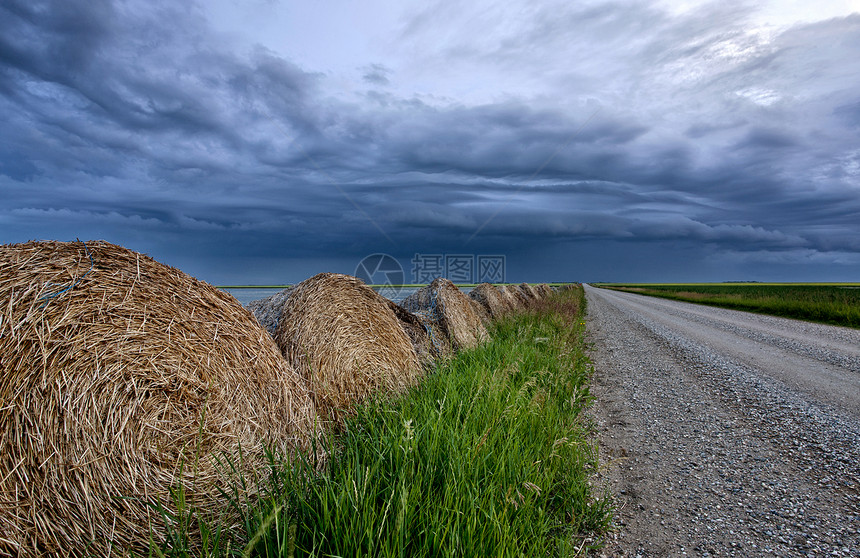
x=724, y=433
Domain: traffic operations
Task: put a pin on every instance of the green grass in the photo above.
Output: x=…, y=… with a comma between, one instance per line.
x=830, y=303
x=489, y=456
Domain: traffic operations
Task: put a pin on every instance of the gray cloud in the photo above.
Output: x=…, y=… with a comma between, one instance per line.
x=134, y=122
x=377, y=74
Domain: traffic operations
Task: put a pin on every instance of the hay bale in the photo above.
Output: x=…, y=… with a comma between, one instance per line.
x=543, y=290
x=482, y=312
x=116, y=372
x=529, y=292
x=443, y=304
x=491, y=298
x=268, y=310
x=520, y=299
x=441, y=345
x=343, y=338
x=511, y=296
x=420, y=334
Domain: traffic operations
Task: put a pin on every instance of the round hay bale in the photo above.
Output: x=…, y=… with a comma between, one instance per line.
x=418, y=333
x=521, y=300
x=444, y=304
x=268, y=310
x=345, y=340
x=529, y=292
x=495, y=303
x=543, y=290
x=441, y=346
x=511, y=296
x=120, y=378
x=482, y=312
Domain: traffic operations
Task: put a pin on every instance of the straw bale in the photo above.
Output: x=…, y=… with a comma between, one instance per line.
x=443, y=304
x=268, y=310
x=345, y=340
x=491, y=298
x=529, y=291
x=543, y=290
x=440, y=342
x=511, y=296
x=121, y=377
x=521, y=301
x=420, y=335
x=481, y=311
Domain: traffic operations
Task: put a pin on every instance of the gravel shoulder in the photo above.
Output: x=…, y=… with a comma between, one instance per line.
x=724, y=433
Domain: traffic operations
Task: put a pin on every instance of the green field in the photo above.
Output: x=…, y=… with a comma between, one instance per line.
x=829, y=303
x=490, y=455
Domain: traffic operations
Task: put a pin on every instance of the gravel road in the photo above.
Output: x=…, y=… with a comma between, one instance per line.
x=724, y=433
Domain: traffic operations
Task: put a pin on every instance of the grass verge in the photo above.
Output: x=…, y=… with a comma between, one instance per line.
x=489, y=456
x=835, y=304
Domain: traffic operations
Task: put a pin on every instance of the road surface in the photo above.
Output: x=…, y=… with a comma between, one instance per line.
x=724, y=433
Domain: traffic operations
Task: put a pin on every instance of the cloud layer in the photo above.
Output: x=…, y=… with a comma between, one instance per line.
x=576, y=139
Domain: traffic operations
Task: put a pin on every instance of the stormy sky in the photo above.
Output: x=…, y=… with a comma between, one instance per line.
x=259, y=142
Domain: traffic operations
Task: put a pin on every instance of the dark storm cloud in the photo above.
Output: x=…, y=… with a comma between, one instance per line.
x=93, y=76
x=135, y=122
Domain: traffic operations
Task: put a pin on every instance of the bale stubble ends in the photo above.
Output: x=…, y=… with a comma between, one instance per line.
x=122, y=378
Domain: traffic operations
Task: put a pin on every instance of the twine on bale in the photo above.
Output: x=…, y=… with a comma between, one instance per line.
x=47, y=297
x=431, y=315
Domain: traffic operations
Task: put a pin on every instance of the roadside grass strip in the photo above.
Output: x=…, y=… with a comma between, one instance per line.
x=835, y=304
x=489, y=456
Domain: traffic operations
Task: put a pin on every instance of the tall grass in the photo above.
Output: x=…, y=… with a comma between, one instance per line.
x=824, y=303
x=489, y=456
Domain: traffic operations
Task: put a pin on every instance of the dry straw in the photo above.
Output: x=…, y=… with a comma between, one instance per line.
x=345, y=341
x=529, y=291
x=494, y=302
x=481, y=311
x=543, y=290
x=122, y=377
x=450, y=311
x=520, y=299
x=510, y=295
